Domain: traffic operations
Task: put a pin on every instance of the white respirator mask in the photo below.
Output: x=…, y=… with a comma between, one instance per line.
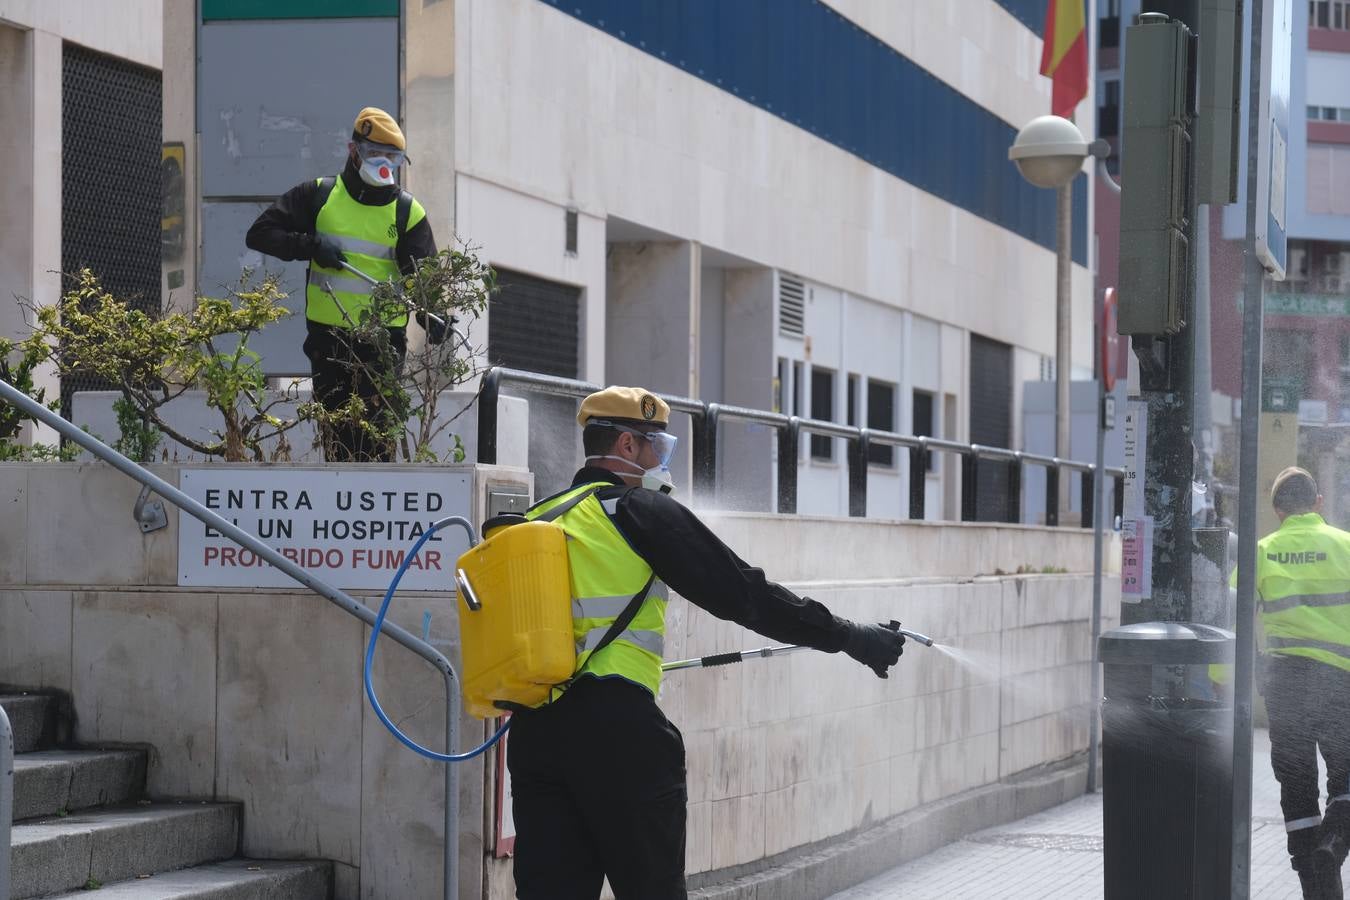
x=378, y=164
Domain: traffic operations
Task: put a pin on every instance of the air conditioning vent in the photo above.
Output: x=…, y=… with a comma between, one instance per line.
x=791, y=305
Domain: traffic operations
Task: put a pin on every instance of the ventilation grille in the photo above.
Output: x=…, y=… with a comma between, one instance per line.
x=110, y=182
x=533, y=324
x=791, y=305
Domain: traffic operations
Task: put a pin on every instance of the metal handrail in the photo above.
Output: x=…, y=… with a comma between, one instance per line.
x=706, y=416
x=6, y=798
x=344, y=602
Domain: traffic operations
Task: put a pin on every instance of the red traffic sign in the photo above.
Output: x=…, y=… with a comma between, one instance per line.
x=1108, y=350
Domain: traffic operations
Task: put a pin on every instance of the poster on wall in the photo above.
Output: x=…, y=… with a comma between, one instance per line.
x=1136, y=560
x=351, y=528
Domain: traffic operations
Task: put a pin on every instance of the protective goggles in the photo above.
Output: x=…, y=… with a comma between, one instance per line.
x=367, y=150
x=662, y=442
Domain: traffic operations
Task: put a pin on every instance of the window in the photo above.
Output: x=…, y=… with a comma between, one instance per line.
x=881, y=417
x=570, y=232
x=782, y=384
x=923, y=420
x=1343, y=398
x=1334, y=14
x=1108, y=114
x=796, y=408
x=1108, y=29
x=822, y=408
x=852, y=400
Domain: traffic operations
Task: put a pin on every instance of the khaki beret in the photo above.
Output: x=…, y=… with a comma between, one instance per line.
x=378, y=127
x=626, y=404
x=1294, y=488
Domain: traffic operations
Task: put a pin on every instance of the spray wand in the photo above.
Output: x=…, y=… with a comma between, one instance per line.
x=436, y=324
x=724, y=659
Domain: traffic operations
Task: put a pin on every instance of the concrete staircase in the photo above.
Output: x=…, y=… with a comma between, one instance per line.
x=81, y=823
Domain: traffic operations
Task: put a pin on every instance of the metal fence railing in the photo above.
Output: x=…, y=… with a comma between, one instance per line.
x=353, y=607
x=6, y=797
x=706, y=418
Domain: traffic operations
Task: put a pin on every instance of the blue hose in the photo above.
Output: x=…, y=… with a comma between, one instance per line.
x=375, y=636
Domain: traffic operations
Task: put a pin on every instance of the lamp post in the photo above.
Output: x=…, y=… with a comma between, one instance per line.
x=1049, y=152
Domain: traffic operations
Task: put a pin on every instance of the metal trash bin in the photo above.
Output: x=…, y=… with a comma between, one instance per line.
x=1167, y=762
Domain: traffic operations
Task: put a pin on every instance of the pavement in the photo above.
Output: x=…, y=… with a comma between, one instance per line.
x=1058, y=854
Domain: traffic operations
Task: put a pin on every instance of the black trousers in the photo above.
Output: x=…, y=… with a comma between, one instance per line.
x=342, y=368
x=1309, y=707
x=598, y=789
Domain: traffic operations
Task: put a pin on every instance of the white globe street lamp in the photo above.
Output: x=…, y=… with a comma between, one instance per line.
x=1049, y=152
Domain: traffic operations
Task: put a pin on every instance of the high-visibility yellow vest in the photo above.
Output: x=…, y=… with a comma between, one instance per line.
x=606, y=575
x=368, y=236
x=1303, y=577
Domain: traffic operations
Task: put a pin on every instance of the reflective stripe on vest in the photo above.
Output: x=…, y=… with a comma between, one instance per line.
x=1281, y=643
x=611, y=607
x=368, y=236
x=606, y=574
x=1280, y=605
x=651, y=641
x=1303, y=577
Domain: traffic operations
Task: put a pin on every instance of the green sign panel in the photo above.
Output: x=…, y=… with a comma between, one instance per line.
x=1279, y=395
x=1307, y=305
x=215, y=10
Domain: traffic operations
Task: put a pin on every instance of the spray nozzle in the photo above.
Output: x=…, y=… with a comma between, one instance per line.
x=924, y=639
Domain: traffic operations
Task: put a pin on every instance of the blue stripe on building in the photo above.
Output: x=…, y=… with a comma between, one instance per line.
x=1030, y=13
x=810, y=66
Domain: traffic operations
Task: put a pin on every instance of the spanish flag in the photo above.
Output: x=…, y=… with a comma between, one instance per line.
x=1064, y=58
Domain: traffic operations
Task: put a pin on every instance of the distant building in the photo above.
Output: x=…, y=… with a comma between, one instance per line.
x=1307, y=323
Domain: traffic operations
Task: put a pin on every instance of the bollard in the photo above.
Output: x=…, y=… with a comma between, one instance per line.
x=1166, y=762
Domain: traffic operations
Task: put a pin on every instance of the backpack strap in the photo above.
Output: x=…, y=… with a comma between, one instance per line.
x=325, y=190
x=564, y=507
x=623, y=621
x=402, y=211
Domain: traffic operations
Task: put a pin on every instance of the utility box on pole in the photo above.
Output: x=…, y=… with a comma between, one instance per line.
x=1220, y=102
x=1155, y=206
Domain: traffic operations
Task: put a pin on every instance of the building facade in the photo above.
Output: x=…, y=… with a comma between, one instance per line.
x=80, y=95
x=801, y=206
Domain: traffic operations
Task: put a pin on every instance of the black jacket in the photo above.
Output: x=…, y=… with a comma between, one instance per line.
x=286, y=228
x=694, y=563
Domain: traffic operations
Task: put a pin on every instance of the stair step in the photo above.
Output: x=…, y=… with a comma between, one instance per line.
x=48, y=782
x=33, y=718
x=235, y=879
x=52, y=855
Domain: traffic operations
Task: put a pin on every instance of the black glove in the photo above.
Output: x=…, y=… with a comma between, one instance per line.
x=326, y=252
x=876, y=646
x=435, y=328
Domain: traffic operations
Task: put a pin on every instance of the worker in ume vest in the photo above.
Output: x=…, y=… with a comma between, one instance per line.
x=1303, y=582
